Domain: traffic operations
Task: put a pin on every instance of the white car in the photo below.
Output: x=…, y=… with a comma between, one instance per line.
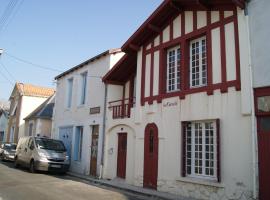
x=7, y=151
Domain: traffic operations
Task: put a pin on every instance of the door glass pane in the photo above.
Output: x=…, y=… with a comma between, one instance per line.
x=151, y=141
x=265, y=124
x=264, y=104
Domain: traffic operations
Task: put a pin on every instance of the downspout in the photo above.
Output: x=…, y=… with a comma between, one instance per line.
x=103, y=131
x=253, y=117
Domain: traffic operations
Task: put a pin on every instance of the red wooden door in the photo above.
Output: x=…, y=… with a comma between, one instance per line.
x=94, y=150
x=150, y=157
x=122, y=155
x=264, y=156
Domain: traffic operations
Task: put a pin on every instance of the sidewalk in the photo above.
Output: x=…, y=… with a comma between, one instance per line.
x=119, y=184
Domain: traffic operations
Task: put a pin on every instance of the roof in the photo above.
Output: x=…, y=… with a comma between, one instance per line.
x=44, y=111
x=4, y=112
x=166, y=11
x=111, y=51
x=32, y=90
x=122, y=70
x=156, y=23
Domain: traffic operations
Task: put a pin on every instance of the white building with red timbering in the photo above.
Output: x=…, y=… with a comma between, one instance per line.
x=180, y=103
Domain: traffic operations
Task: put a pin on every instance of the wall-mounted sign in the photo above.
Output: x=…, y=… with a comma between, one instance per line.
x=170, y=104
x=95, y=110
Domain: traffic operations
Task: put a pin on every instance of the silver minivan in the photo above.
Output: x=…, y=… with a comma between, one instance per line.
x=43, y=154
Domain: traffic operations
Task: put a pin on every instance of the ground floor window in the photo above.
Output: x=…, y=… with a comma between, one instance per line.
x=78, y=143
x=201, y=149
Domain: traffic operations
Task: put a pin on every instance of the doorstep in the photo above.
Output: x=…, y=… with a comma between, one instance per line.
x=120, y=184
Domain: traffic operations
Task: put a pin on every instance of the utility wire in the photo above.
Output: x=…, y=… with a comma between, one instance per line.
x=7, y=13
x=10, y=74
x=12, y=16
x=5, y=77
x=33, y=64
x=44, y=67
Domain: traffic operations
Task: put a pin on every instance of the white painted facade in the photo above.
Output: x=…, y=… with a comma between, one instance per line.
x=232, y=108
x=3, y=126
x=79, y=115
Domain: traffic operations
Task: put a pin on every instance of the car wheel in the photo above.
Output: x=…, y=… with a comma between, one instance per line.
x=2, y=157
x=16, y=164
x=32, y=166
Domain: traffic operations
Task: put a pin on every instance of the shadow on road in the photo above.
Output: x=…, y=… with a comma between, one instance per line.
x=128, y=195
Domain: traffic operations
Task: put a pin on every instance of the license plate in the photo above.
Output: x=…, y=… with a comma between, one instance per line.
x=56, y=166
x=11, y=157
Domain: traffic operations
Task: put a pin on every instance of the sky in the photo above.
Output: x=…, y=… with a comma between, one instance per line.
x=60, y=34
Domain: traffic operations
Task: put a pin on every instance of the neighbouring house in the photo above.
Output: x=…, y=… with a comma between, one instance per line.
x=24, y=99
x=78, y=118
x=4, y=115
x=39, y=122
x=179, y=106
x=259, y=15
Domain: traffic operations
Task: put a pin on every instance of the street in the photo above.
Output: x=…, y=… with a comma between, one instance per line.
x=19, y=184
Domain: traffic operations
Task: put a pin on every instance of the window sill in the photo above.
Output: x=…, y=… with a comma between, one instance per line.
x=81, y=106
x=200, y=181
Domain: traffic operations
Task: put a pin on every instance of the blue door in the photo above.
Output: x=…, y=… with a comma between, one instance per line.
x=65, y=134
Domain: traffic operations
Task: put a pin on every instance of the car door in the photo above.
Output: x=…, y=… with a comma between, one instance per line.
x=28, y=151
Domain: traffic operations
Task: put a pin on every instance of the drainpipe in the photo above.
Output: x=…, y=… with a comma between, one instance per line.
x=103, y=131
x=253, y=117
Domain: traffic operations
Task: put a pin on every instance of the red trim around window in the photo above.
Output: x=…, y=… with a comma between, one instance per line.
x=218, y=150
x=184, y=127
x=260, y=92
x=183, y=40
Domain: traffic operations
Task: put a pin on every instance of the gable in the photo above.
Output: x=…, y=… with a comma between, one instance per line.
x=169, y=10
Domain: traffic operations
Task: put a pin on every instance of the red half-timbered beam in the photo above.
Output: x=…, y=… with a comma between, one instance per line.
x=239, y=3
x=154, y=28
x=203, y=3
x=134, y=47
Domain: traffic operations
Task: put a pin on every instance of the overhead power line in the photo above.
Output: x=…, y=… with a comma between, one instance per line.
x=5, y=68
x=7, y=13
x=5, y=77
x=31, y=63
x=42, y=66
x=12, y=16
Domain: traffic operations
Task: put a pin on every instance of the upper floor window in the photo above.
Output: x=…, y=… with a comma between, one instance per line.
x=198, y=62
x=69, y=92
x=83, y=88
x=173, y=69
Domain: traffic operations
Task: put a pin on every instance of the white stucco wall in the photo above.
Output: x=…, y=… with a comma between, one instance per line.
x=29, y=104
x=78, y=115
x=259, y=34
x=232, y=108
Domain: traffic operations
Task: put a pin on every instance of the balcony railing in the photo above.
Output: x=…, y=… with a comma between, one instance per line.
x=121, y=108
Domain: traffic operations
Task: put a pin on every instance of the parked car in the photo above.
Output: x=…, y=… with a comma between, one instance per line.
x=42, y=154
x=7, y=151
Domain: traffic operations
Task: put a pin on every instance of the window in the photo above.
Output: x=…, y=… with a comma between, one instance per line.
x=198, y=62
x=173, y=69
x=83, y=89
x=30, y=129
x=78, y=143
x=69, y=92
x=201, y=150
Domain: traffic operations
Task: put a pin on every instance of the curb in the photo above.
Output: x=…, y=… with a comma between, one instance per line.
x=161, y=196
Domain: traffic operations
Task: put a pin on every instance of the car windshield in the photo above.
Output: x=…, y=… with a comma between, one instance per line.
x=50, y=144
x=10, y=146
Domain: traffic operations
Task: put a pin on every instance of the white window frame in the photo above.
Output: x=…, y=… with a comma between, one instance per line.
x=78, y=130
x=176, y=79
x=202, y=175
x=83, y=88
x=70, y=82
x=202, y=74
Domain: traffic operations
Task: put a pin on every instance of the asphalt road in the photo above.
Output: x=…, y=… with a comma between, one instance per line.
x=19, y=184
